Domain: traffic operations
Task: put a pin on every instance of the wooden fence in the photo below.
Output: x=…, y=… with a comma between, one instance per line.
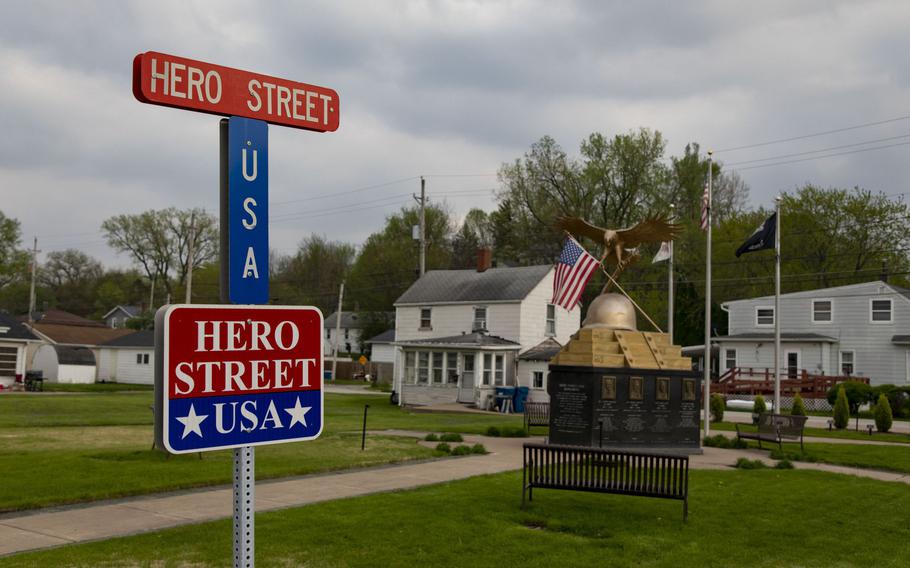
x=752, y=381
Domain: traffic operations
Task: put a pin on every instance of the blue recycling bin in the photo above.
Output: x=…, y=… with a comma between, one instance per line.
x=521, y=396
x=503, y=394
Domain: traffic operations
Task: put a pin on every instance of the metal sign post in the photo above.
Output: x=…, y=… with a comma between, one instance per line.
x=237, y=376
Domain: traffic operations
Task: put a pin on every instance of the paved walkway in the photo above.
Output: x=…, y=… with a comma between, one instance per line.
x=46, y=528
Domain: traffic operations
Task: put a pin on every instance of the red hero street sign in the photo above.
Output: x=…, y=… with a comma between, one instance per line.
x=168, y=80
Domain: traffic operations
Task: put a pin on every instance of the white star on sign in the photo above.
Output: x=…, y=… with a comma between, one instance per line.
x=191, y=422
x=298, y=413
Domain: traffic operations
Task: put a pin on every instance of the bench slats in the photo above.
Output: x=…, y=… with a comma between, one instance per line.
x=606, y=471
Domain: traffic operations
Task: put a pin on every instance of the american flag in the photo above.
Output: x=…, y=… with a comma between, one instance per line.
x=573, y=270
x=705, y=198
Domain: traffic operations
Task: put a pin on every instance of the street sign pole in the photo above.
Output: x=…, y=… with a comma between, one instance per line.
x=244, y=506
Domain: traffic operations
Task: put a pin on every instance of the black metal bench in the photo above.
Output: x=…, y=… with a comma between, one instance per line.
x=775, y=428
x=602, y=470
x=537, y=414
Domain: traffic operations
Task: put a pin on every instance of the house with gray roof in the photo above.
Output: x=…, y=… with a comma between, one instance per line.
x=117, y=317
x=348, y=332
x=459, y=334
x=858, y=330
x=14, y=339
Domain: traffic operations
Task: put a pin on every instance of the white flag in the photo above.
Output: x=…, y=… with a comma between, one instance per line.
x=663, y=254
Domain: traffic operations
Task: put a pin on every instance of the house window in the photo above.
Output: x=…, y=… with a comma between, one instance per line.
x=114, y=323
x=551, y=320
x=487, y=368
x=425, y=322
x=821, y=311
x=846, y=363
x=328, y=334
x=764, y=316
x=423, y=367
x=499, y=374
x=346, y=334
x=142, y=358
x=881, y=310
x=537, y=379
x=730, y=358
x=480, y=318
x=452, y=368
x=437, y=368
x=410, y=366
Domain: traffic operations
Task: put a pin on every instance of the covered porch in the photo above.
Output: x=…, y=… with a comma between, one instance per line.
x=462, y=369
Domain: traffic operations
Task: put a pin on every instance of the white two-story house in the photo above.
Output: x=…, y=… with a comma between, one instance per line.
x=857, y=330
x=459, y=333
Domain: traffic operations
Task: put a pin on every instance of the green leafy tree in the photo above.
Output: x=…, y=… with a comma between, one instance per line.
x=841, y=409
x=882, y=414
x=313, y=275
x=759, y=406
x=475, y=232
x=857, y=394
x=718, y=405
x=388, y=263
x=13, y=260
x=73, y=278
x=798, y=408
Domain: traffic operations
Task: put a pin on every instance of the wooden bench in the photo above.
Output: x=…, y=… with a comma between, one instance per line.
x=537, y=414
x=775, y=428
x=603, y=470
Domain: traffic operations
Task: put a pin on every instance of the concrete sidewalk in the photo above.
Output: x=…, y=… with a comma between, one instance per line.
x=46, y=528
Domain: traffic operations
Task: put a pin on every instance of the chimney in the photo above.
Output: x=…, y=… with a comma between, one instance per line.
x=484, y=259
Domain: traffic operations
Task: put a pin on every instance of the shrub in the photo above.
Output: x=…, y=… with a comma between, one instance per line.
x=759, y=405
x=798, y=409
x=784, y=464
x=857, y=394
x=510, y=432
x=746, y=463
x=841, y=409
x=493, y=432
x=451, y=438
x=461, y=451
x=721, y=441
x=882, y=413
x=431, y=438
x=479, y=449
x=443, y=447
x=717, y=407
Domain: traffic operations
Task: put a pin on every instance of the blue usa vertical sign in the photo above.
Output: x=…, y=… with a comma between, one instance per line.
x=245, y=212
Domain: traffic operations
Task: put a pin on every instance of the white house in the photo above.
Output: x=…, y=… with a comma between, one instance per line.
x=128, y=359
x=65, y=364
x=117, y=317
x=860, y=329
x=14, y=338
x=459, y=333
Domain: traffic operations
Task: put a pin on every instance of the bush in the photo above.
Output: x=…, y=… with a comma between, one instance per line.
x=461, y=451
x=451, y=438
x=493, y=432
x=717, y=407
x=721, y=441
x=443, y=447
x=759, y=405
x=479, y=449
x=857, y=394
x=431, y=438
x=882, y=413
x=509, y=432
x=841, y=409
x=745, y=463
x=784, y=464
x=898, y=398
x=798, y=408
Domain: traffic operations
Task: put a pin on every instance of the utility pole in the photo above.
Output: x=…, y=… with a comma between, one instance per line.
x=337, y=330
x=152, y=293
x=670, y=307
x=423, y=225
x=189, y=260
x=31, y=293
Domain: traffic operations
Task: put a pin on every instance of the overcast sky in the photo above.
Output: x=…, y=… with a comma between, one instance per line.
x=449, y=90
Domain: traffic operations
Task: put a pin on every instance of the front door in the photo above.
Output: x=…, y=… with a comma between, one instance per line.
x=792, y=364
x=466, y=386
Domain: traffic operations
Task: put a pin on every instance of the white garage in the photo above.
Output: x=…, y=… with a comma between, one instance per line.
x=65, y=364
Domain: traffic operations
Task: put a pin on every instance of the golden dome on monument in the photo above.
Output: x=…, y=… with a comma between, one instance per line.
x=611, y=311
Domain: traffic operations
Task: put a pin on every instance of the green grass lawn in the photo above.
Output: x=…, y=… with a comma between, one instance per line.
x=96, y=387
x=886, y=458
x=765, y=518
x=59, y=449
x=847, y=434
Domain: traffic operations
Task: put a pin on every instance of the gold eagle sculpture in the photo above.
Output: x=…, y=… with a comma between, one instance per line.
x=621, y=245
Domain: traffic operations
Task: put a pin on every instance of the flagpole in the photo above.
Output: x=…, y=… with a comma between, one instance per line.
x=707, y=358
x=777, y=309
x=670, y=299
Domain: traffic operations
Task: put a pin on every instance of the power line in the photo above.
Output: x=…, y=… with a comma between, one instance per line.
x=782, y=156
x=827, y=156
x=814, y=135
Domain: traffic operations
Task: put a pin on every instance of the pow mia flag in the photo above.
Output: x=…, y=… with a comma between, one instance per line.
x=762, y=238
